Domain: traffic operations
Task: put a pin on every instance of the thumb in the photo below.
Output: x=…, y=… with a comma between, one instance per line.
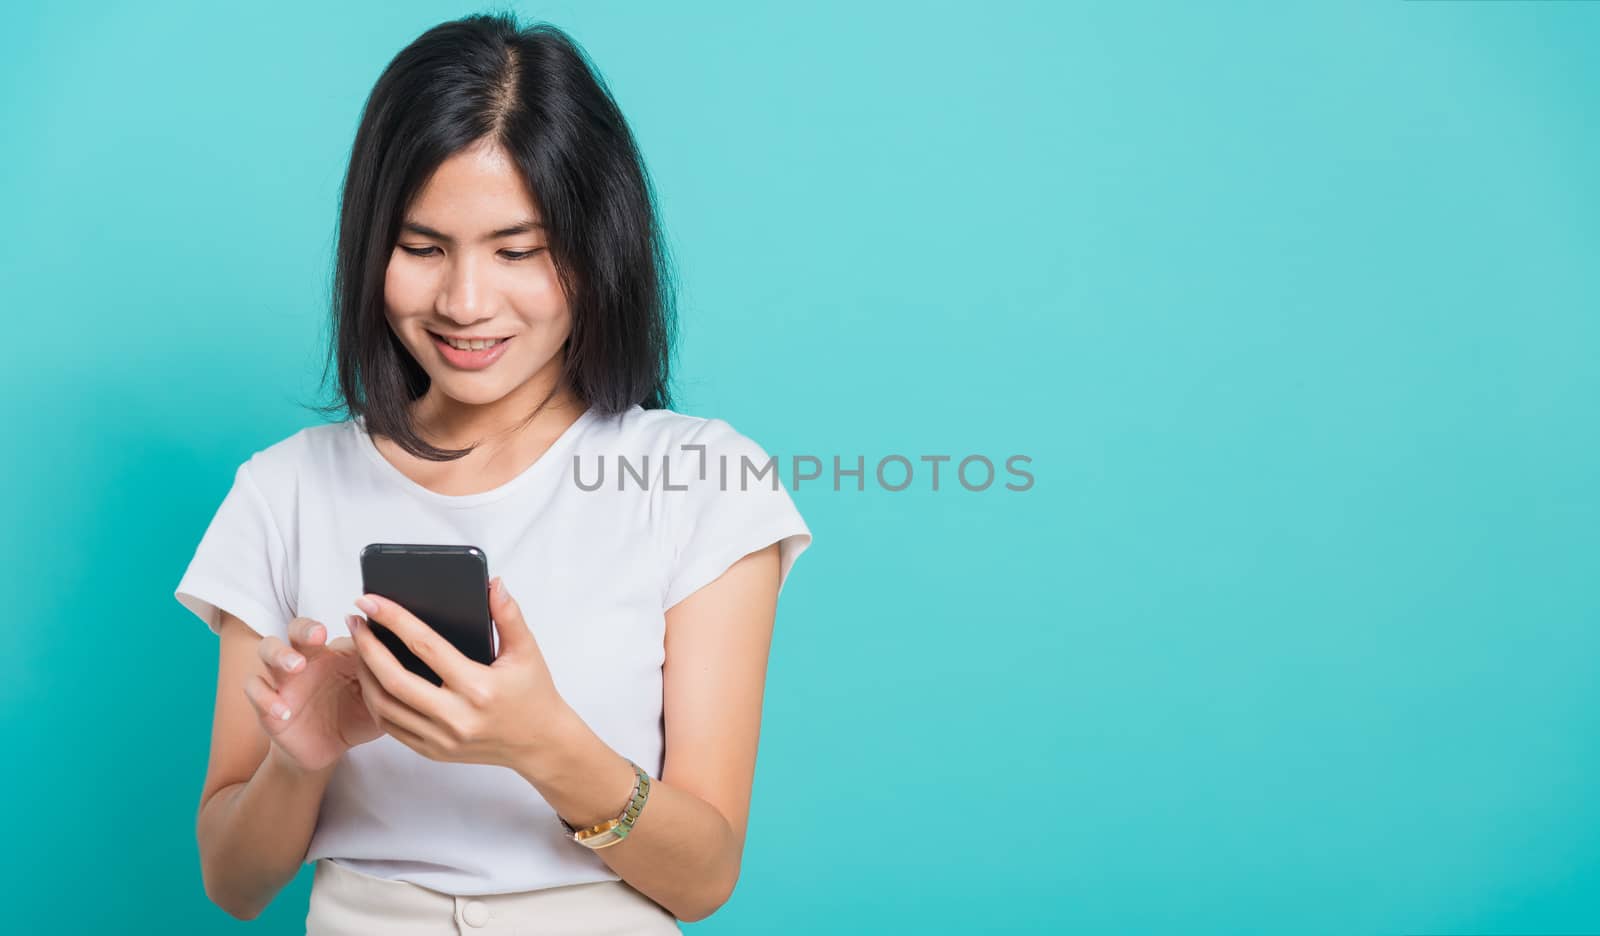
x=515, y=637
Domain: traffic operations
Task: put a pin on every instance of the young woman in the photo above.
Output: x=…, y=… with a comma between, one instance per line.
x=502, y=332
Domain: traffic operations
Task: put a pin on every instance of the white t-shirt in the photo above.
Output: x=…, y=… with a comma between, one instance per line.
x=594, y=572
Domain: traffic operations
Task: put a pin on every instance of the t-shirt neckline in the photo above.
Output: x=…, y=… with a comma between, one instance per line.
x=525, y=478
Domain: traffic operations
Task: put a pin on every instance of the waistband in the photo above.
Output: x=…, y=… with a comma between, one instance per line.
x=347, y=901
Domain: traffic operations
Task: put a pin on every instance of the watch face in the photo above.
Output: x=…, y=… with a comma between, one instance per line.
x=603, y=828
x=602, y=839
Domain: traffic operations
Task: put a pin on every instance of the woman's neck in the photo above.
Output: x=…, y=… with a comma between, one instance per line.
x=531, y=411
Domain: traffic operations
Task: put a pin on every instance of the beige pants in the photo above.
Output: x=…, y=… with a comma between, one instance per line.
x=347, y=902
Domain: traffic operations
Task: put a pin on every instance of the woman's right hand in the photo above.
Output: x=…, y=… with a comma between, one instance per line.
x=314, y=683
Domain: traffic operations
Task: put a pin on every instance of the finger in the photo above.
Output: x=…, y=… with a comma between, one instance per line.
x=308, y=636
x=410, y=739
x=431, y=648
x=370, y=689
x=270, y=707
x=398, y=720
x=386, y=710
x=515, y=637
x=392, y=676
x=279, y=657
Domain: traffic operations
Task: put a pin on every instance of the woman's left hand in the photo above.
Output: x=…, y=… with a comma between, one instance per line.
x=507, y=713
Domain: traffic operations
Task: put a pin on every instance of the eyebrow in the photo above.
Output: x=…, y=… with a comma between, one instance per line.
x=521, y=227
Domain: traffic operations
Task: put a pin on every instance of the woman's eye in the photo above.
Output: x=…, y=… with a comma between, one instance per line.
x=430, y=250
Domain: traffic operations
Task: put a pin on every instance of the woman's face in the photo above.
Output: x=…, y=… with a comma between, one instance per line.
x=472, y=262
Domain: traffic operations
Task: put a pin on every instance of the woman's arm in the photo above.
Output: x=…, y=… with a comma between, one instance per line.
x=685, y=848
x=258, y=808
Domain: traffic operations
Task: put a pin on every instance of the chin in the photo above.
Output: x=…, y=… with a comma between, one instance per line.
x=470, y=392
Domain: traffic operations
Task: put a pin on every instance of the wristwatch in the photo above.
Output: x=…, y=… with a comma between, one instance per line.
x=615, y=830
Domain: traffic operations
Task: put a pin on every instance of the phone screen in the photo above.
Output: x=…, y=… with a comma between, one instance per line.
x=446, y=587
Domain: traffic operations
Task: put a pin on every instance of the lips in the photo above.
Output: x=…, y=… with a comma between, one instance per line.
x=469, y=360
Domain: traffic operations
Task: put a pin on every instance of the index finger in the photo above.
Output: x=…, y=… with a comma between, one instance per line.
x=307, y=635
x=375, y=657
x=441, y=656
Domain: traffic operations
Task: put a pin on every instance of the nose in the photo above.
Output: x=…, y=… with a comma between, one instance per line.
x=461, y=299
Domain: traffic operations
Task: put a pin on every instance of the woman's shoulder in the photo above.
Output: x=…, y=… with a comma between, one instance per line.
x=643, y=429
x=324, y=445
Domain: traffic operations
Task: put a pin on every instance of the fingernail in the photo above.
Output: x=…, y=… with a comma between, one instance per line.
x=505, y=592
x=352, y=623
x=497, y=587
x=312, y=634
x=281, y=711
x=293, y=661
x=367, y=604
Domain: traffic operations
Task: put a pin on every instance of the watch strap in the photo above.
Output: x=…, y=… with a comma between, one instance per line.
x=612, y=831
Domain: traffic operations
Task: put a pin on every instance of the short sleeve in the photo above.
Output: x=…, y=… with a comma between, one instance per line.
x=732, y=502
x=240, y=565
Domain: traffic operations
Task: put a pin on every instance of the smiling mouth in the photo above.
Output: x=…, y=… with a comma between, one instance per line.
x=474, y=344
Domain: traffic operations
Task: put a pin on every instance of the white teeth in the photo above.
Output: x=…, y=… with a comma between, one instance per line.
x=472, y=345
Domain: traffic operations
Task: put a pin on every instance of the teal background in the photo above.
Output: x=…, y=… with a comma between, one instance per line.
x=1294, y=308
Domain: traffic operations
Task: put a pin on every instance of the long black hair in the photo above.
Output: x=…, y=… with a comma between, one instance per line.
x=533, y=91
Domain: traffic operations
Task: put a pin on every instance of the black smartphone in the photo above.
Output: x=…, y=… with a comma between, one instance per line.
x=446, y=587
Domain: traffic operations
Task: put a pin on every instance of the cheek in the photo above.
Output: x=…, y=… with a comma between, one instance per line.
x=405, y=287
x=540, y=298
